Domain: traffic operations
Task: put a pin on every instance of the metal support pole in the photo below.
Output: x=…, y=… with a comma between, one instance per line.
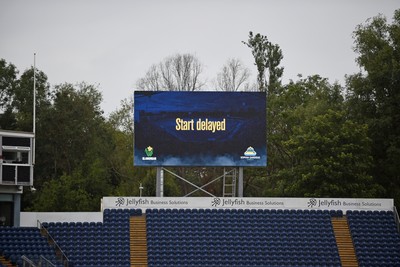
x=192, y=184
x=34, y=111
x=240, y=182
x=160, y=182
x=140, y=189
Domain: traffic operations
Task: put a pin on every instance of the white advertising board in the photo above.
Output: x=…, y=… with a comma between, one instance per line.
x=245, y=203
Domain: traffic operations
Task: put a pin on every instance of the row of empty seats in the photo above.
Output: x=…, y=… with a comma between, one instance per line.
x=240, y=238
x=376, y=238
x=96, y=244
x=213, y=237
x=28, y=241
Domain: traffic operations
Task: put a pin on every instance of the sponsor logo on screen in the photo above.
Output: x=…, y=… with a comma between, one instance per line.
x=149, y=153
x=250, y=154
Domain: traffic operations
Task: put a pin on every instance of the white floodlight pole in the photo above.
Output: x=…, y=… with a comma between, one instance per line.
x=34, y=109
x=140, y=189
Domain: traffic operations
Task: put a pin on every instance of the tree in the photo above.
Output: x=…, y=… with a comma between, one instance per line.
x=16, y=95
x=82, y=190
x=23, y=98
x=122, y=118
x=332, y=158
x=126, y=177
x=315, y=149
x=374, y=96
x=74, y=147
x=266, y=56
x=8, y=82
x=69, y=128
x=121, y=159
x=233, y=76
x=176, y=73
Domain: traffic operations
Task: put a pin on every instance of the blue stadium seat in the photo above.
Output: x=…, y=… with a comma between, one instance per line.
x=372, y=230
x=242, y=235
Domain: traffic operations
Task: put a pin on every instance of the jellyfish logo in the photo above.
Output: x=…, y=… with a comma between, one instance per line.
x=216, y=202
x=312, y=202
x=120, y=201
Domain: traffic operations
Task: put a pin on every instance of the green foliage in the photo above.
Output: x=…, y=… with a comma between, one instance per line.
x=320, y=143
x=315, y=150
x=266, y=56
x=374, y=96
x=307, y=97
x=332, y=156
x=122, y=119
x=8, y=83
x=68, y=129
x=64, y=194
x=23, y=98
x=73, y=146
x=255, y=182
x=82, y=190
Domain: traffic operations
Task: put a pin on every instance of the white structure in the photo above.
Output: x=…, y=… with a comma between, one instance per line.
x=342, y=204
x=143, y=203
x=16, y=171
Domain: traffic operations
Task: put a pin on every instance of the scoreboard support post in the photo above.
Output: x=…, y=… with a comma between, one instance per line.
x=240, y=182
x=160, y=182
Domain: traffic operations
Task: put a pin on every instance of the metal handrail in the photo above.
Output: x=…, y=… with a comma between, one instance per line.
x=396, y=218
x=46, y=261
x=64, y=258
x=27, y=262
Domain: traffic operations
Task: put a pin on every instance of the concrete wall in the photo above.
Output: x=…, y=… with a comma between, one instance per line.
x=31, y=218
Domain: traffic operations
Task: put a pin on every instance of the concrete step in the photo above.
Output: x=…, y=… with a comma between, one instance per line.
x=138, y=240
x=344, y=242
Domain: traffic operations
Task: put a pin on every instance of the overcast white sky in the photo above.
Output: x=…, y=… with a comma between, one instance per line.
x=113, y=43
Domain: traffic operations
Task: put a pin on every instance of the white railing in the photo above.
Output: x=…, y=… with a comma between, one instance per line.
x=45, y=262
x=27, y=262
x=396, y=218
x=64, y=258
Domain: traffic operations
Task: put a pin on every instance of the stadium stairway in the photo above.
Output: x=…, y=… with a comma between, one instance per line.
x=344, y=242
x=138, y=241
x=4, y=262
x=28, y=241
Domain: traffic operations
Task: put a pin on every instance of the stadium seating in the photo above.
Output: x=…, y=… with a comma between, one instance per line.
x=212, y=237
x=376, y=237
x=96, y=244
x=240, y=238
x=18, y=241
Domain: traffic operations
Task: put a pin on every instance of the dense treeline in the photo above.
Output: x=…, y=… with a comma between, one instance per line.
x=324, y=140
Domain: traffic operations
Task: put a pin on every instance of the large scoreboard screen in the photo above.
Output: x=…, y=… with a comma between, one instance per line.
x=174, y=128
